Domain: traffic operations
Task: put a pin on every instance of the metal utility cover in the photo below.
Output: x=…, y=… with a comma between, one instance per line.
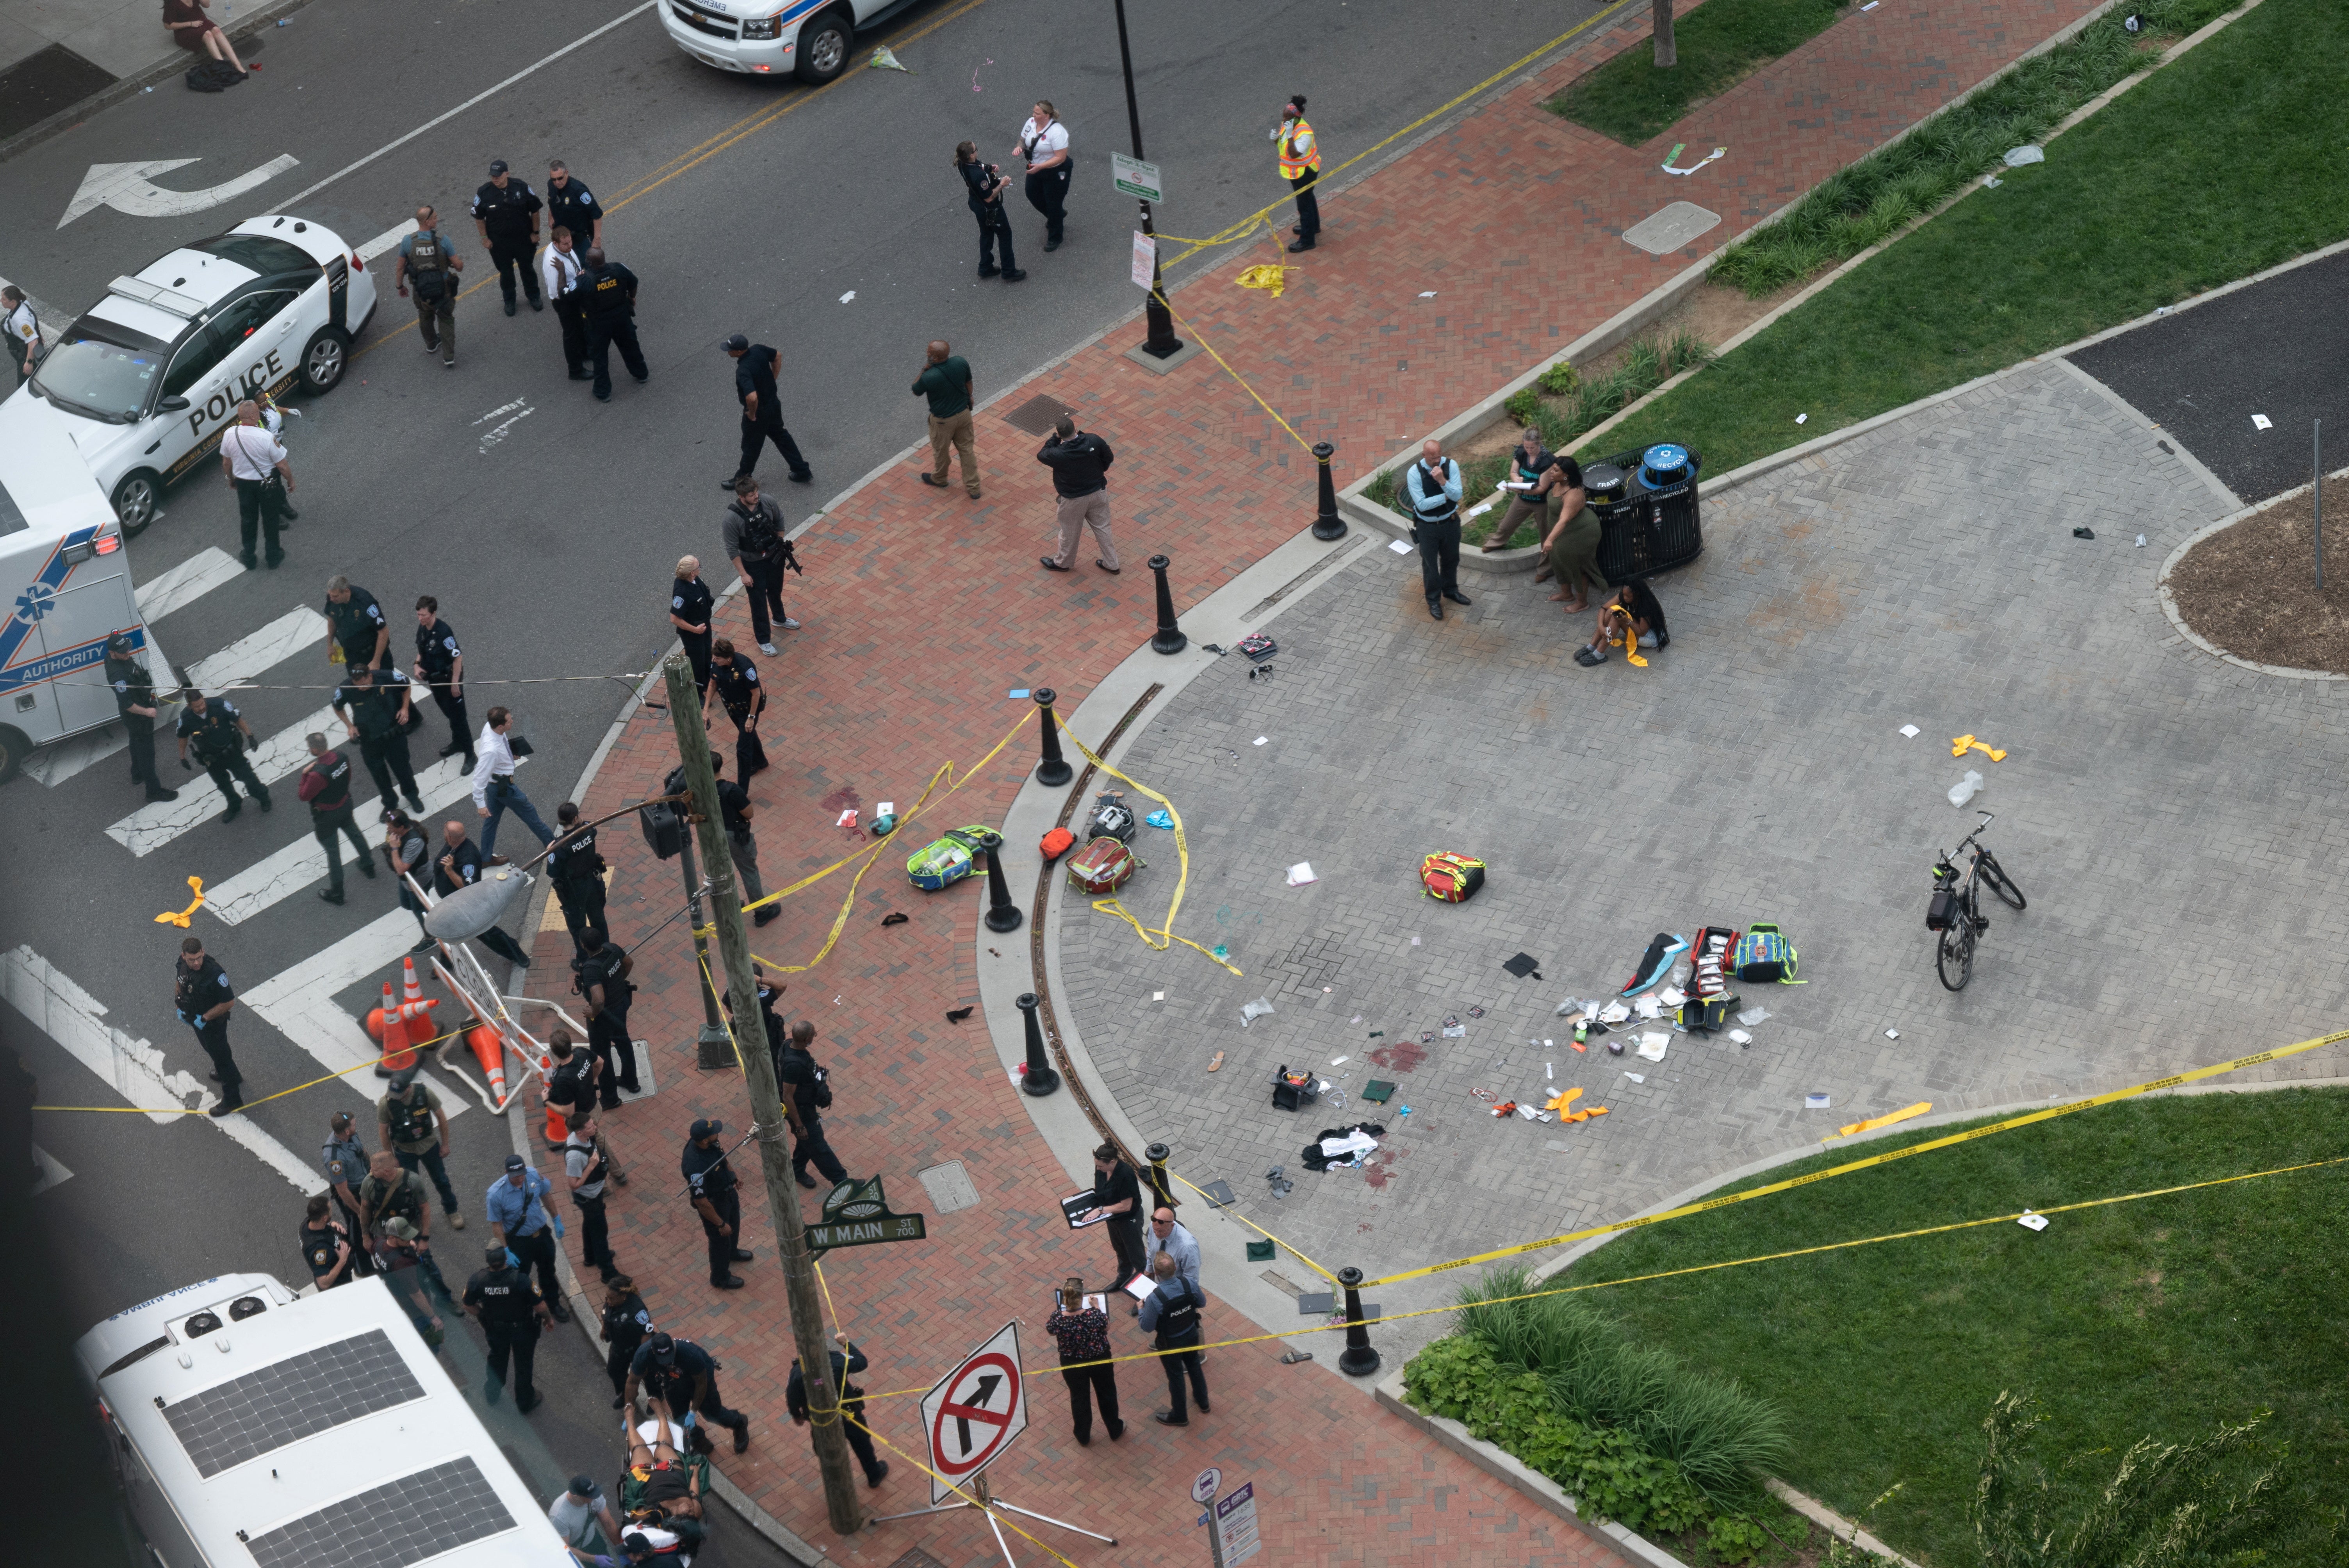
x=949, y=1187
x=1672, y=228
x=1040, y=413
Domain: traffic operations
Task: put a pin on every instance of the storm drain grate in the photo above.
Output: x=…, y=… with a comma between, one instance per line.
x=1037, y=415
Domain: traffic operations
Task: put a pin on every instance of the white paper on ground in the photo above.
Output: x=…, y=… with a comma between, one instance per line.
x=1741, y=1038
x=1300, y=874
x=1260, y=740
x=1802, y=418
x=1455, y=1031
x=1814, y=1102
x=1891, y=1034
x=2262, y=422
x=1650, y=1009
x=1251, y=1011
x=1652, y=1045
x=849, y=295
x=1636, y=1077
x=886, y=809
x=2031, y=1222
x=1158, y=995
x=1672, y=996
x=1339, y=1061
x=1614, y=1013
x=1427, y=293
x=1753, y=1015
x=1399, y=546
x=1910, y=730
x=1480, y=509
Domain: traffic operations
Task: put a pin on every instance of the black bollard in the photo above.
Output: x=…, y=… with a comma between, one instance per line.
x=1002, y=914
x=1054, y=771
x=1358, y=1360
x=1329, y=525
x=1158, y=1154
x=1041, y=1079
x=1170, y=638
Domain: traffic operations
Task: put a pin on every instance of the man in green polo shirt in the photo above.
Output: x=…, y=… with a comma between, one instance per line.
x=946, y=382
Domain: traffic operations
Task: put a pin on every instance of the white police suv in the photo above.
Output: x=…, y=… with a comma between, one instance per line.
x=152, y=373
x=812, y=39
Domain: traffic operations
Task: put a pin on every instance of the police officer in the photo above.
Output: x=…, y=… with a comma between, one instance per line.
x=325, y=784
x=734, y=684
x=609, y=292
x=440, y=665
x=521, y=1222
x=756, y=365
x=344, y=1159
x=604, y=970
x=576, y=870
x=626, y=1323
x=984, y=184
x=222, y=737
x=683, y=1375
x=407, y=851
x=852, y=1406
x=797, y=1074
x=506, y=213
x=512, y=1314
x=356, y=626
x=752, y=530
x=709, y=1183
x=689, y=607
x=1300, y=165
x=459, y=865
x=559, y=269
x=135, y=699
x=571, y=206
x=378, y=721
x=201, y=993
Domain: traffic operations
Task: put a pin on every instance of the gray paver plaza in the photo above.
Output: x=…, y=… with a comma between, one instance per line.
x=2170, y=816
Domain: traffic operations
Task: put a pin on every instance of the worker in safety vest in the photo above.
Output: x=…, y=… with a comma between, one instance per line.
x=1300, y=165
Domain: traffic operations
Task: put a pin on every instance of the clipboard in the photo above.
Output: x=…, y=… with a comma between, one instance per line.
x=1075, y=1205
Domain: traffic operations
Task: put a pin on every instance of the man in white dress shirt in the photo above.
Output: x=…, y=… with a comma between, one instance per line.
x=558, y=270
x=250, y=455
x=494, y=789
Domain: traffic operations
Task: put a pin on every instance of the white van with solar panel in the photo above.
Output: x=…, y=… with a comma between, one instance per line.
x=253, y=1427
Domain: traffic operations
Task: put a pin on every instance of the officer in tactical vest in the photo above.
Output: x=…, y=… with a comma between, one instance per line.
x=135, y=699
x=608, y=298
x=512, y=1314
x=222, y=737
x=327, y=785
x=752, y=530
x=429, y=264
x=378, y=720
x=604, y=968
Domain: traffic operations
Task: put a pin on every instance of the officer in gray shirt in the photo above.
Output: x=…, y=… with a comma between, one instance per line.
x=344, y=1160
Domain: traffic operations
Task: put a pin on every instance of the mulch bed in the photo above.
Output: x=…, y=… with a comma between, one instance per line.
x=2251, y=589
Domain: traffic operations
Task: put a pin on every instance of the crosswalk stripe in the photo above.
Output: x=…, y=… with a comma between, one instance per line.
x=73, y=1019
x=241, y=660
x=303, y=863
x=157, y=822
x=387, y=241
x=299, y=1002
x=188, y=581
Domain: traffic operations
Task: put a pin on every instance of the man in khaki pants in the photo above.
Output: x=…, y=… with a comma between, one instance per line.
x=946, y=382
x=1080, y=463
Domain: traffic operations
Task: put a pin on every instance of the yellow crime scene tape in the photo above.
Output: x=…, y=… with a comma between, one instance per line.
x=265, y=1099
x=2193, y=1075
x=1182, y=848
x=1260, y=1230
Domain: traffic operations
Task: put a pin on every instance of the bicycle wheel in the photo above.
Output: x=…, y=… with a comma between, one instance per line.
x=1999, y=882
x=1956, y=958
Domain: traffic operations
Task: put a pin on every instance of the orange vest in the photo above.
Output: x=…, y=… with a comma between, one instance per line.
x=1293, y=166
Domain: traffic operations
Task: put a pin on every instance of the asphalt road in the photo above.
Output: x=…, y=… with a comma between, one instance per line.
x=743, y=205
x=2275, y=348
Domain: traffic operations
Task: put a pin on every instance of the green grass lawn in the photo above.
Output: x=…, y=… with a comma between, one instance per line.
x=2156, y=1317
x=2216, y=167
x=1718, y=44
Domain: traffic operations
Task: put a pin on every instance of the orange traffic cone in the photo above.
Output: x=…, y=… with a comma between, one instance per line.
x=416, y=1017
x=413, y=992
x=398, y=1055
x=490, y=1050
x=558, y=1127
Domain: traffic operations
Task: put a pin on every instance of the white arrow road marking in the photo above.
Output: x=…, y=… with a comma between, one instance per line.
x=281, y=756
x=497, y=432
x=300, y=1004
x=128, y=187
x=73, y=1018
x=240, y=661
x=188, y=581
x=302, y=864
x=51, y=1172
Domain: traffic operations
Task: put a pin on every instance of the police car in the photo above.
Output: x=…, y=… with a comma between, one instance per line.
x=151, y=375
x=812, y=39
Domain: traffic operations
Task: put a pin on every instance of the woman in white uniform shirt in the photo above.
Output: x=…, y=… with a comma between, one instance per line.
x=24, y=331
x=1044, y=143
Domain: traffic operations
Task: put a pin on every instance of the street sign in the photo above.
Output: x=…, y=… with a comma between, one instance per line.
x=1145, y=260
x=974, y=1412
x=1235, y=1526
x=856, y=1215
x=1205, y=1486
x=1135, y=178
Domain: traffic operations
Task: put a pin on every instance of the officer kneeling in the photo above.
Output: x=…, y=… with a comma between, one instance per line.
x=512, y=1314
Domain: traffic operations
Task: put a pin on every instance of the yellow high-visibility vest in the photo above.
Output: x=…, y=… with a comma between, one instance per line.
x=1292, y=165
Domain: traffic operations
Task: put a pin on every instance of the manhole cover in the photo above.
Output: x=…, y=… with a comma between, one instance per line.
x=1040, y=413
x=1672, y=229
x=949, y=1187
x=917, y=1558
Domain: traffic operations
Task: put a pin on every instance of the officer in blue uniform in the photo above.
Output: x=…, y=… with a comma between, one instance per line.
x=608, y=297
x=201, y=993
x=134, y=697
x=222, y=737
x=571, y=205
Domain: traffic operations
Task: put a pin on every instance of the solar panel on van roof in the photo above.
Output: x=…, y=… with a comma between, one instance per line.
x=288, y=1400
x=390, y=1526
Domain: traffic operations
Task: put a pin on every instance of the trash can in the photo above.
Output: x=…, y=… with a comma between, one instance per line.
x=1648, y=519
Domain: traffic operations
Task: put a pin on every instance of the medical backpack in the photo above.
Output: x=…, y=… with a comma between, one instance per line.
x=1102, y=866
x=945, y=861
x=1764, y=955
x=1454, y=879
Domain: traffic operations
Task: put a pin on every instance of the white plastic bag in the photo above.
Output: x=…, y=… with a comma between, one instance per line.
x=1965, y=789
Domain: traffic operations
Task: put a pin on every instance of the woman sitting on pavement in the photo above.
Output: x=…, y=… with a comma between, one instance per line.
x=1538, y=469
x=1629, y=618
x=193, y=29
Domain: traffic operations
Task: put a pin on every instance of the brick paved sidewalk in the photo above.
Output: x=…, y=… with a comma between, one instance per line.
x=923, y=609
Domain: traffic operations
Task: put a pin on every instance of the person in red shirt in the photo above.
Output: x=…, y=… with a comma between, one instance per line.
x=193, y=29
x=325, y=784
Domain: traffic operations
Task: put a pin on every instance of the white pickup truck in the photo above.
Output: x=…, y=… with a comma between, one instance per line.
x=812, y=39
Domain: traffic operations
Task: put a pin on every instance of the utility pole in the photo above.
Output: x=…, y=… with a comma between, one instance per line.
x=1160, y=340
x=766, y=1103
x=1668, y=53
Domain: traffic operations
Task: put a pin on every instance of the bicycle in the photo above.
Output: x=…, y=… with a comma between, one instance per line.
x=1956, y=912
